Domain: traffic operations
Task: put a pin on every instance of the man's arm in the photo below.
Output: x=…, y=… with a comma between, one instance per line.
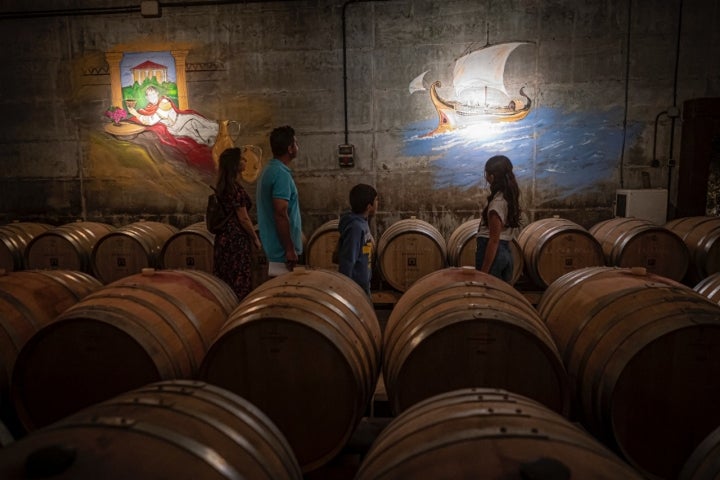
x=282, y=225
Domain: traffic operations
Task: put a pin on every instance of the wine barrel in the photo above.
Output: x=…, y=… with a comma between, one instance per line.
x=67, y=247
x=29, y=300
x=462, y=244
x=305, y=348
x=191, y=247
x=14, y=239
x=321, y=245
x=408, y=250
x=641, y=350
x=459, y=327
x=140, y=329
x=171, y=429
x=703, y=463
x=487, y=433
x=129, y=249
x=555, y=246
x=635, y=242
x=710, y=287
x=701, y=235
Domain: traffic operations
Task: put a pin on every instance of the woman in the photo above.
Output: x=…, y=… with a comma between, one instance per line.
x=500, y=220
x=231, y=255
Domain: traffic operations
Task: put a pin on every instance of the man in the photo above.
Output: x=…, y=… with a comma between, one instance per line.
x=278, y=207
x=356, y=242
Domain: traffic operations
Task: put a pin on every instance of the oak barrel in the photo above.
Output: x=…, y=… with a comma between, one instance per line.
x=321, y=244
x=459, y=327
x=191, y=247
x=710, y=287
x=176, y=429
x=462, y=244
x=14, y=238
x=491, y=434
x=67, y=247
x=555, y=246
x=408, y=250
x=704, y=462
x=129, y=249
x=635, y=242
x=305, y=348
x=641, y=352
x=702, y=238
x=140, y=329
x=30, y=300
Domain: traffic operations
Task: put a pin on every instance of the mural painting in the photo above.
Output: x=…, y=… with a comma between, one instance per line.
x=568, y=153
x=159, y=150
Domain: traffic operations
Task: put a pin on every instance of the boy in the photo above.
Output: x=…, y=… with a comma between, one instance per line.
x=356, y=242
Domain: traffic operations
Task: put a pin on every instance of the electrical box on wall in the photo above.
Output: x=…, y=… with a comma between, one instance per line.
x=346, y=155
x=647, y=203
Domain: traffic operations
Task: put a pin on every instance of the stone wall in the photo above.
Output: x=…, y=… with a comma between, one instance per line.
x=600, y=74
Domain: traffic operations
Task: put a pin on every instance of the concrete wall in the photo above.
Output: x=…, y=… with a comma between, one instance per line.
x=599, y=73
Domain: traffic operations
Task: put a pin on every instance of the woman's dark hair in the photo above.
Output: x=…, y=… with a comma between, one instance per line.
x=280, y=139
x=503, y=180
x=361, y=195
x=228, y=169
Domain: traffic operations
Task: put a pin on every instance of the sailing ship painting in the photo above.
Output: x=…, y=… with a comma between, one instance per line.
x=478, y=81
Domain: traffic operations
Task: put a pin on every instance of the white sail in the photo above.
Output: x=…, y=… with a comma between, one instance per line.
x=417, y=84
x=483, y=68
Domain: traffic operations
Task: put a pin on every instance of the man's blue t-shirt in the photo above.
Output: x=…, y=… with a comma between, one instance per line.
x=276, y=181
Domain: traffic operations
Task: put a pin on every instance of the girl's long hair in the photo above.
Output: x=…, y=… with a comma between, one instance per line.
x=503, y=181
x=228, y=170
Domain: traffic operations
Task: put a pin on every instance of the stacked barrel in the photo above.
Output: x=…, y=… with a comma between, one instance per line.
x=124, y=332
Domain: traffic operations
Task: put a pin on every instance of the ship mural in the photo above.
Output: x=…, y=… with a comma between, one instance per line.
x=480, y=95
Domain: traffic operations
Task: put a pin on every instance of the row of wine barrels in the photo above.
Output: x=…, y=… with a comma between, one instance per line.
x=641, y=352
x=29, y=300
x=169, y=429
x=305, y=348
x=491, y=434
x=66, y=247
x=140, y=329
x=14, y=239
x=459, y=327
x=91, y=247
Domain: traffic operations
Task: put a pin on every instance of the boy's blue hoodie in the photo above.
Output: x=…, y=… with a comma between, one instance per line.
x=355, y=249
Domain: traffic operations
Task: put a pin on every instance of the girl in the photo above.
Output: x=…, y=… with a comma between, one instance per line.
x=500, y=220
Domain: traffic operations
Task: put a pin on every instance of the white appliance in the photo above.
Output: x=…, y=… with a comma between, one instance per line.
x=646, y=203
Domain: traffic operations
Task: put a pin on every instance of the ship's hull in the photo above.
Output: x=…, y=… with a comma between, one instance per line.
x=453, y=114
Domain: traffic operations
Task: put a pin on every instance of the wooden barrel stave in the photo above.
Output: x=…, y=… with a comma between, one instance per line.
x=142, y=328
x=304, y=347
x=486, y=433
x=14, y=239
x=553, y=247
x=620, y=334
x=459, y=318
x=171, y=429
x=408, y=250
x=67, y=247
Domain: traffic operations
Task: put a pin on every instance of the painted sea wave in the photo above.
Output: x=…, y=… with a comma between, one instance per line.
x=573, y=151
